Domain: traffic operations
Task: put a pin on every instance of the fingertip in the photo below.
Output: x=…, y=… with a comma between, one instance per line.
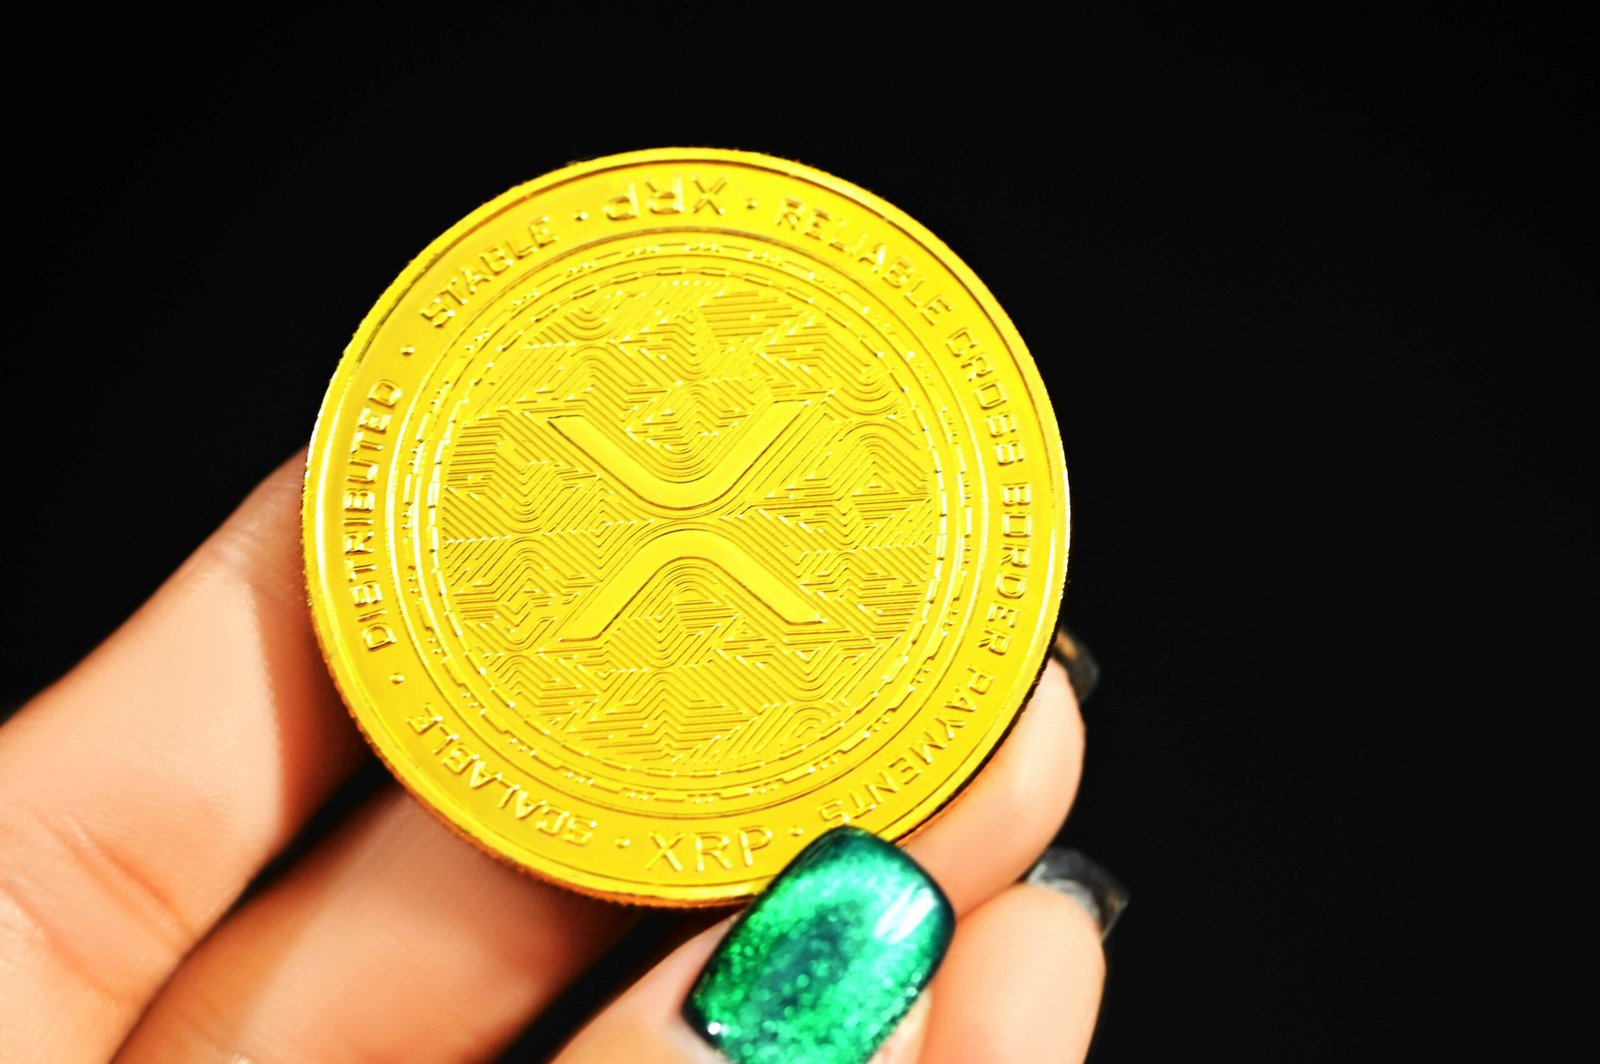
x=1015, y=805
x=1055, y=687
x=647, y=1022
x=1066, y=918
x=1022, y=982
x=259, y=542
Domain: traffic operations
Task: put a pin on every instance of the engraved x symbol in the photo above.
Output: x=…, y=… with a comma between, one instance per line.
x=625, y=584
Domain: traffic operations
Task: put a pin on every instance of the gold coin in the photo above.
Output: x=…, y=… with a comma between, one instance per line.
x=676, y=507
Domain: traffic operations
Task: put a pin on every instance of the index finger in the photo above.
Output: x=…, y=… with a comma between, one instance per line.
x=139, y=794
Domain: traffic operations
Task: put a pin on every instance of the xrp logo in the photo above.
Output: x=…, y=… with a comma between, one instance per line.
x=734, y=560
x=687, y=521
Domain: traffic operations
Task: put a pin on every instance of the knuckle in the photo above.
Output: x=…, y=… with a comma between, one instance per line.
x=70, y=904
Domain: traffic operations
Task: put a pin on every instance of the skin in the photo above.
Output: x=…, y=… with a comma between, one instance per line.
x=141, y=792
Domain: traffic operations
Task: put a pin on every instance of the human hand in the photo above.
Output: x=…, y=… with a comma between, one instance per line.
x=140, y=795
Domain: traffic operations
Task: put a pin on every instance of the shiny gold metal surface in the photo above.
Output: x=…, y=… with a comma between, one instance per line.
x=677, y=506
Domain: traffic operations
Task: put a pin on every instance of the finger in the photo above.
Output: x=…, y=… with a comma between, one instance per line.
x=824, y=967
x=990, y=835
x=1021, y=982
x=139, y=794
x=646, y=1025
x=248, y=991
x=394, y=940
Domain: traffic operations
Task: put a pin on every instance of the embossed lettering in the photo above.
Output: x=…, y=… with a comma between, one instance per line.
x=884, y=784
x=497, y=259
x=362, y=472
x=789, y=213
x=579, y=831
x=667, y=199
x=708, y=195
x=857, y=245
x=541, y=814
x=710, y=844
x=961, y=702
x=364, y=441
x=664, y=852
x=874, y=256
x=991, y=395
x=384, y=393
x=926, y=305
x=1015, y=555
x=457, y=758
x=931, y=744
x=1000, y=424
x=470, y=280
x=752, y=839
x=424, y=722
x=437, y=314
x=539, y=236
x=372, y=420
x=622, y=207
x=995, y=642
x=359, y=504
x=963, y=345
x=904, y=769
x=551, y=820
x=1006, y=615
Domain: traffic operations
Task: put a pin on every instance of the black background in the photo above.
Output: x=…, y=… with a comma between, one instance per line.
x=1312, y=295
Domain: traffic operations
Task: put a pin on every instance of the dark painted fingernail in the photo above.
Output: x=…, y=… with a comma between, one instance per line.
x=1083, y=672
x=1091, y=886
x=826, y=962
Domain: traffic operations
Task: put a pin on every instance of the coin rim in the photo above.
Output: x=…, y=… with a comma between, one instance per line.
x=325, y=627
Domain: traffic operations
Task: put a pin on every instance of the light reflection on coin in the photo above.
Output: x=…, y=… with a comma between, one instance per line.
x=676, y=507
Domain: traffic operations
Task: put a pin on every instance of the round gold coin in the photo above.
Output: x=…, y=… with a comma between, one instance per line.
x=676, y=507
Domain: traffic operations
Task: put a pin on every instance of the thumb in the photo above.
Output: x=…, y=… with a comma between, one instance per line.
x=825, y=966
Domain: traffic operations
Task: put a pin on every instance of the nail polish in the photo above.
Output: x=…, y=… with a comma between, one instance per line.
x=824, y=964
x=1083, y=672
x=1069, y=872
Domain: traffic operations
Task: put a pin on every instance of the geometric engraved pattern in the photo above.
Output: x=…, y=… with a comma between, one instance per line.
x=685, y=528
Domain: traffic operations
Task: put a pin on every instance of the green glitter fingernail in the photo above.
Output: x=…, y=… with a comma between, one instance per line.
x=825, y=963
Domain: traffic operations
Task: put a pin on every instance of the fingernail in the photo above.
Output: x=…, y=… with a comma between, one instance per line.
x=1083, y=672
x=828, y=960
x=1085, y=882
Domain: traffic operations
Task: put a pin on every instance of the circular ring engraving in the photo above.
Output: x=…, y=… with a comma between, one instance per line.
x=677, y=506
